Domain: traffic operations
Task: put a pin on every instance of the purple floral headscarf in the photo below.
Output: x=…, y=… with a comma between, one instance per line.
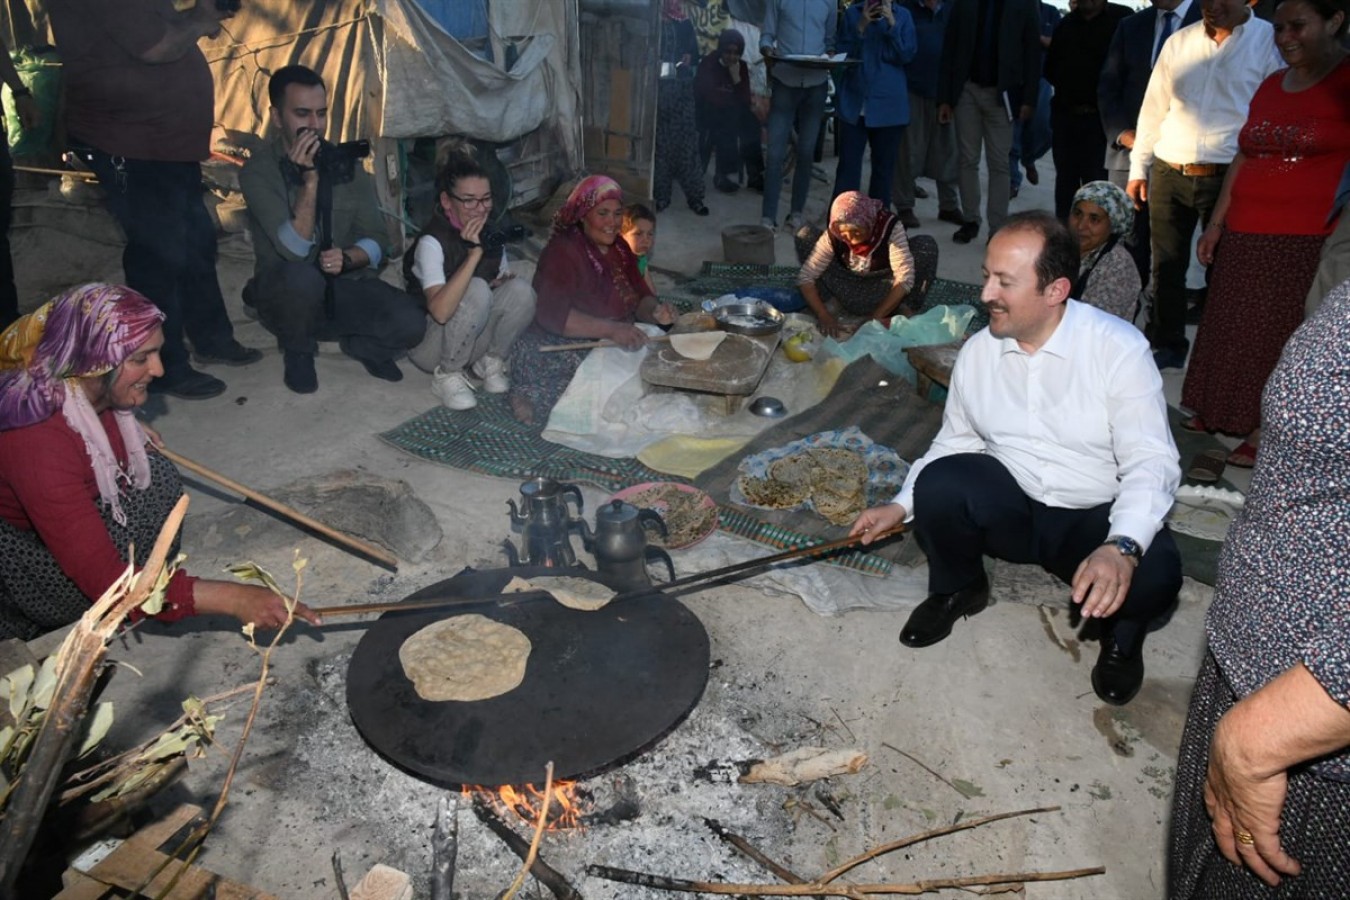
x=86, y=332
x=586, y=196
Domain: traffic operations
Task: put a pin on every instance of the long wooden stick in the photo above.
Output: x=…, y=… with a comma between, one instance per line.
x=645, y=879
x=74, y=173
x=723, y=572
x=591, y=345
x=370, y=551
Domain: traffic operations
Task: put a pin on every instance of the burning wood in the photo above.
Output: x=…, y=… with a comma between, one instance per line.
x=567, y=808
x=549, y=877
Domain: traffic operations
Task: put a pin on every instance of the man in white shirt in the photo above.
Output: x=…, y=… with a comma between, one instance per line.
x=1055, y=450
x=1187, y=134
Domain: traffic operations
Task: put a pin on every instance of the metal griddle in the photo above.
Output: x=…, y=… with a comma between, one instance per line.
x=600, y=687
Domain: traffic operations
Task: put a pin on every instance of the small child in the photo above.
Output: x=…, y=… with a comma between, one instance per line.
x=639, y=232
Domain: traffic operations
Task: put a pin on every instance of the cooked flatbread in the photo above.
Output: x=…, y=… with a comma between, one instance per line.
x=799, y=468
x=570, y=591
x=838, y=510
x=771, y=493
x=465, y=658
x=840, y=462
x=698, y=344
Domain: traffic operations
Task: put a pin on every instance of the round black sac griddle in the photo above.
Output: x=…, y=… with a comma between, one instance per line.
x=600, y=687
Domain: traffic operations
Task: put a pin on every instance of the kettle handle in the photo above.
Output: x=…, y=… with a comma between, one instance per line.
x=575, y=492
x=651, y=515
x=659, y=554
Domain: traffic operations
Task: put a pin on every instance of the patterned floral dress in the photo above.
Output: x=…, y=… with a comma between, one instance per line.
x=1282, y=598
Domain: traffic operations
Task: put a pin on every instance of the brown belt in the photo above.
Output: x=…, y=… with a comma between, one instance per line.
x=1197, y=170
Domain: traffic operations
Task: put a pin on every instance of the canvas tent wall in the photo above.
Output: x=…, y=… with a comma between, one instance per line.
x=394, y=74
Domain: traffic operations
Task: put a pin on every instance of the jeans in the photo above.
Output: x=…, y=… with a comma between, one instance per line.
x=802, y=108
x=372, y=320
x=968, y=506
x=853, y=141
x=170, y=255
x=1176, y=203
x=982, y=125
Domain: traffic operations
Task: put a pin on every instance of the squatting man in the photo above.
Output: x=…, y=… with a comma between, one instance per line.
x=1054, y=449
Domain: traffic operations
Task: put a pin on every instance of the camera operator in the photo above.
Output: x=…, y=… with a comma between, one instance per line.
x=140, y=105
x=318, y=242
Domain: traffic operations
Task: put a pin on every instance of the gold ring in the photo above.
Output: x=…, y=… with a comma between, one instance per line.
x=1244, y=837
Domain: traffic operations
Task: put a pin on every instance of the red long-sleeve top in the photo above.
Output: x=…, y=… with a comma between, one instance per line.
x=47, y=485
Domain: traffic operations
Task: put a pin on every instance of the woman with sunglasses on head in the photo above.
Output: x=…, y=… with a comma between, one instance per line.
x=476, y=307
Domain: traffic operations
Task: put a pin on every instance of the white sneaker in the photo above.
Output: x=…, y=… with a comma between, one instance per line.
x=768, y=223
x=493, y=372
x=794, y=221
x=453, y=389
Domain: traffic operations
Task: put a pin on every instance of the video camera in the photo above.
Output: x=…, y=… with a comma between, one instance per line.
x=335, y=163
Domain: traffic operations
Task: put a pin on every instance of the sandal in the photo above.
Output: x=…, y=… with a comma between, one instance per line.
x=1244, y=456
x=1195, y=425
x=1207, y=466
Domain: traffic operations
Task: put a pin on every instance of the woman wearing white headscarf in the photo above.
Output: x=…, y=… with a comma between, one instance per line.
x=1101, y=216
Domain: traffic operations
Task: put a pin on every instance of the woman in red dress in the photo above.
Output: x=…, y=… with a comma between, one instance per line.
x=1265, y=236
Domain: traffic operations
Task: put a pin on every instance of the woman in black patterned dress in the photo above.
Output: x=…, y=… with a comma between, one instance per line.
x=1263, y=776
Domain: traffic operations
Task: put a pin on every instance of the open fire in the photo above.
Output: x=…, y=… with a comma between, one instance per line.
x=567, y=806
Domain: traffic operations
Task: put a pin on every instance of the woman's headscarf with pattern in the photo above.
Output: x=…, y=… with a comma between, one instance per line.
x=861, y=211
x=1117, y=205
x=84, y=333
x=586, y=196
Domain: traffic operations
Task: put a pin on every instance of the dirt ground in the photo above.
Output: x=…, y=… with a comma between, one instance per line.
x=1001, y=714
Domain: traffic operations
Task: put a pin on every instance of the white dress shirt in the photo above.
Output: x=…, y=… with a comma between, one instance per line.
x=1079, y=423
x=1199, y=94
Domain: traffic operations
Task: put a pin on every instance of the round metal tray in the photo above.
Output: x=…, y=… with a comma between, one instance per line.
x=751, y=319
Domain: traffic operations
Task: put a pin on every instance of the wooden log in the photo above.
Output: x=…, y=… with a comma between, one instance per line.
x=661, y=882
x=445, y=848
x=383, y=883
x=548, y=876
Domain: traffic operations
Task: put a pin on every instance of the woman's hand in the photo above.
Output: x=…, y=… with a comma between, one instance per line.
x=266, y=610
x=1244, y=802
x=627, y=336
x=829, y=325
x=151, y=434
x=1208, y=243
x=471, y=231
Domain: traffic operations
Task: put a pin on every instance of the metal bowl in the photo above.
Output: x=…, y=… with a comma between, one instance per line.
x=768, y=407
x=752, y=319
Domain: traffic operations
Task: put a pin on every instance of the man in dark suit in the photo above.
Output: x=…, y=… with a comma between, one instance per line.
x=1120, y=93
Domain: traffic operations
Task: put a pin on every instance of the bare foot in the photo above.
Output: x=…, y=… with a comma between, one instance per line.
x=522, y=409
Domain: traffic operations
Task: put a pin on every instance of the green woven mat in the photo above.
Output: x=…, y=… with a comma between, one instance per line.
x=489, y=441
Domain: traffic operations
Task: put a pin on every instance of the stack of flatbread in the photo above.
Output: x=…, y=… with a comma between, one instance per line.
x=833, y=480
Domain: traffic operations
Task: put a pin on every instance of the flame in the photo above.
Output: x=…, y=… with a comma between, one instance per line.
x=566, y=807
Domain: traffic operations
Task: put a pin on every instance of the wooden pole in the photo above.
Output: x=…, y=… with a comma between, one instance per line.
x=370, y=551
x=591, y=345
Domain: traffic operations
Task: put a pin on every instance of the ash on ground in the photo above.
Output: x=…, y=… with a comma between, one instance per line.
x=676, y=787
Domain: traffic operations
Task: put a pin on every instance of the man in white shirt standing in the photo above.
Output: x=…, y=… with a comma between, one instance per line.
x=1055, y=450
x=1196, y=103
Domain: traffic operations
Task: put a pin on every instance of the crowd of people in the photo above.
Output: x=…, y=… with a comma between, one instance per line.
x=1055, y=447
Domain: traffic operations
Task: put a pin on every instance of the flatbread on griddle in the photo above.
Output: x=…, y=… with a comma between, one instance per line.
x=569, y=590
x=465, y=658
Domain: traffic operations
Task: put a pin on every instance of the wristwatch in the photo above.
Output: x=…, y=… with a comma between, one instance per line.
x=1127, y=546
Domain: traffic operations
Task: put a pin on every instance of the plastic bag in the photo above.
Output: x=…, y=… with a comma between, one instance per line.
x=939, y=325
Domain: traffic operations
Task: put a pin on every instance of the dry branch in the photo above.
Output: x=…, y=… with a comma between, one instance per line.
x=751, y=851
x=78, y=662
x=660, y=882
x=539, y=824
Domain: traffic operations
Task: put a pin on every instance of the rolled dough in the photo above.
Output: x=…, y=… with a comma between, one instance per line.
x=465, y=658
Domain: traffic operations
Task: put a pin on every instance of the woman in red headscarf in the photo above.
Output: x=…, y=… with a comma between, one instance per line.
x=862, y=259
x=79, y=485
x=588, y=288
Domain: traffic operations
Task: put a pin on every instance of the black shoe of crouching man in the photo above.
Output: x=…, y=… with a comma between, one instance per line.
x=1117, y=676
x=299, y=373
x=932, y=620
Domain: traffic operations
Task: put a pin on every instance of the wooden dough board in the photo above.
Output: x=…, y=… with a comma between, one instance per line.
x=734, y=369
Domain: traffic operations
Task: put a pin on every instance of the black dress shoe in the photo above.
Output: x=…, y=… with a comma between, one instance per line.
x=725, y=184
x=967, y=233
x=299, y=373
x=698, y=208
x=909, y=220
x=951, y=215
x=1116, y=677
x=755, y=183
x=188, y=384
x=385, y=369
x=231, y=354
x=932, y=620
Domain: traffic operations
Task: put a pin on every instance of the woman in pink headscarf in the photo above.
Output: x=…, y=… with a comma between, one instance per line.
x=862, y=259
x=79, y=486
x=588, y=289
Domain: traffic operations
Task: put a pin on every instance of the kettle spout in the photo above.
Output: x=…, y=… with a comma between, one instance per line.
x=587, y=536
x=516, y=517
